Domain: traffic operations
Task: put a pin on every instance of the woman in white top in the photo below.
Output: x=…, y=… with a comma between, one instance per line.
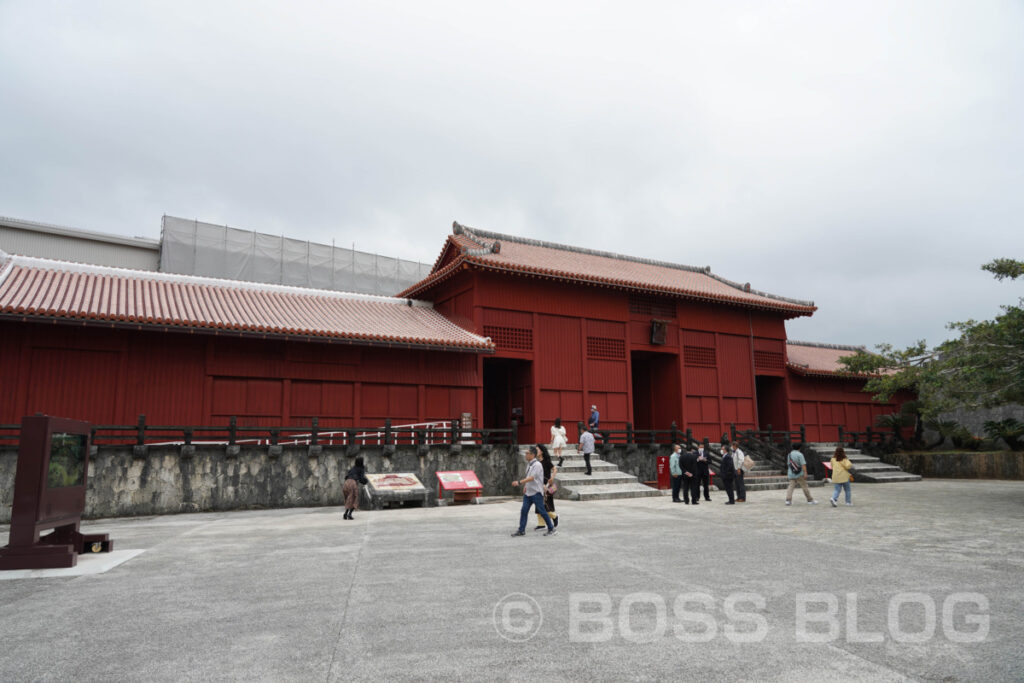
x=558, y=439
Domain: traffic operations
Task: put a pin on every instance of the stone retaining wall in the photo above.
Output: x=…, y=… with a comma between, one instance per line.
x=945, y=464
x=640, y=461
x=165, y=482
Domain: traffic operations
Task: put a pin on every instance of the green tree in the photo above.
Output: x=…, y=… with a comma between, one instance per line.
x=983, y=367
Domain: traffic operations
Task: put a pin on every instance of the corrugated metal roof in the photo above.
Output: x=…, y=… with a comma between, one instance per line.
x=31, y=238
x=515, y=254
x=47, y=289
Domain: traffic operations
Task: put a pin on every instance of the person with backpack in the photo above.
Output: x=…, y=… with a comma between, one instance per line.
x=796, y=470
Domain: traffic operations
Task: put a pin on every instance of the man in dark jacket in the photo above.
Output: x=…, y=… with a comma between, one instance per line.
x=703, y=471
x=690, y=480
x=728, y=473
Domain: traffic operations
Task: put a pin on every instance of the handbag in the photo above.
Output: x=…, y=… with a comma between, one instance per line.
x=748, y=464
x=552, y=488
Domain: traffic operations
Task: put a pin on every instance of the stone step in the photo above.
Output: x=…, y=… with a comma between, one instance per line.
x=863, y=458
x=595, y=465
x=576, y=479
x=611, y=491
x=885, y=477
x=866, y=468
x=874, y=470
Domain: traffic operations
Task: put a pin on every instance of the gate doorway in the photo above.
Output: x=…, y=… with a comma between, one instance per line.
x=771, y=403
x=656, y=390
x=507, y=391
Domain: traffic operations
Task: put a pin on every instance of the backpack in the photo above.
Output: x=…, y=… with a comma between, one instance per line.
x=793, y=467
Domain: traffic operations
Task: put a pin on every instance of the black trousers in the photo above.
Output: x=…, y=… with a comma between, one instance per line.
x=727, y=484
x=741, y=486
x=586, y=459
x=691, y=488
x=704, y=478
x=676, y=483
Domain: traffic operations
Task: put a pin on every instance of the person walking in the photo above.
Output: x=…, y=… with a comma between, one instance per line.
x=739, y=460
x=703, y=471
x=558, y=439
x=676, y=471
x=841, y=476
x=587, y=447
x=691, y=479
x=727, y=470
x=350, y=489
x=533, y=488
x=796, y=471
x=550, y=470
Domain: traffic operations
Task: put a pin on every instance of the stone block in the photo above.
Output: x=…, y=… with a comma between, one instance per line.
x=232, y=451
x=274, y=450
x=187, y=451
x=315, y=451
x=140, y=452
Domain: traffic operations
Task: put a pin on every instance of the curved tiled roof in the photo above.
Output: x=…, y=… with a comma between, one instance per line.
x=35, y=288
x=508, y=253
x=810, y=358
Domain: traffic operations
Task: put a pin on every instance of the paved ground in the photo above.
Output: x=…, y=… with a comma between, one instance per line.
x=303, y=595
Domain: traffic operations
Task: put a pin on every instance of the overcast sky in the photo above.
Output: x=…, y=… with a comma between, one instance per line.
x=866, y=155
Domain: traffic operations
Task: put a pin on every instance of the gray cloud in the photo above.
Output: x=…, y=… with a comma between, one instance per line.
x=864, y=155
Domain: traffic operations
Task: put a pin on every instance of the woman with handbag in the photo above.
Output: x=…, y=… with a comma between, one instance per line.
x=841, y=476
x=550, y=470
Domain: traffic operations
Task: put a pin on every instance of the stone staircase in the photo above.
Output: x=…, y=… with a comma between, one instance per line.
x=605, y=483
x=764, y=476
x=866, y=468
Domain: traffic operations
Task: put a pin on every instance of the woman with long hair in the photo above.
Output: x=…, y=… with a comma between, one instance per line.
x=558, y=439
x=550, y=470
x=350, y=489
x=841, y=476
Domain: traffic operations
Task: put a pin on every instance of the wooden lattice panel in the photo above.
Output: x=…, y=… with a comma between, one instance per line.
x=608, y=349
x=700, y=356
x=511, y=338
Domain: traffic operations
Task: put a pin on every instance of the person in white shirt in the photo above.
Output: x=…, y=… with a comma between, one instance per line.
x=738, y=456
x=587, y=448
x=533, y=493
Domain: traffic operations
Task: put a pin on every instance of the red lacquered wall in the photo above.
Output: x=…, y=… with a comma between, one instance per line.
x=110, y=376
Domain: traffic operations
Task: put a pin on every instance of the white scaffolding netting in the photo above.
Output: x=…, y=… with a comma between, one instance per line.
x=191, y=247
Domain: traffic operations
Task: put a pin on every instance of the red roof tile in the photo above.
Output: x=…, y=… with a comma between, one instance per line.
x=808, y=358
x=41, y=288
x=515, y=254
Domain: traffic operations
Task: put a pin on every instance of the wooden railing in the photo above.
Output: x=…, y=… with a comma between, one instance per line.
x=423, y=434
x=866, y=438
x=645, y=437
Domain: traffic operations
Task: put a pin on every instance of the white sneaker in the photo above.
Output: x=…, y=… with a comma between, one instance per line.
x=812, y=502
x=833, y=501
x=849, y=505
x=789, y=502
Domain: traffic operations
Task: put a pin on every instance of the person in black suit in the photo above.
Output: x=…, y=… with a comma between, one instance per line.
x=703, y=471
x=690, y=479
x=728, y=472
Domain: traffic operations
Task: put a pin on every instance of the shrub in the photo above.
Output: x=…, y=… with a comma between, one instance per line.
x=1009, y=430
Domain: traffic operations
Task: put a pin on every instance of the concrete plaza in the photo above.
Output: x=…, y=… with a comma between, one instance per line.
x=622, y=592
